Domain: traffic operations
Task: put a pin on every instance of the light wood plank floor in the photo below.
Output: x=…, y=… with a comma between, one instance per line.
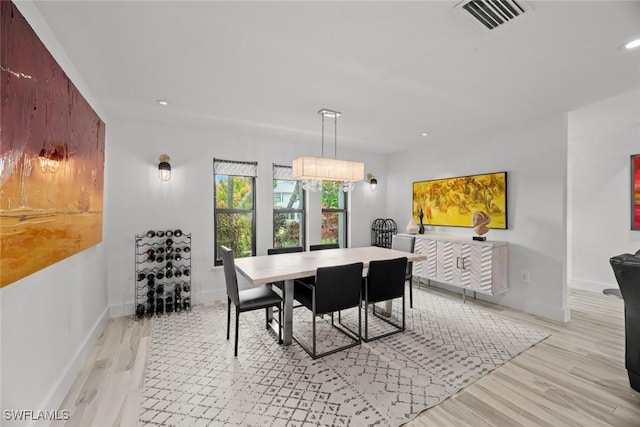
x=576, y=377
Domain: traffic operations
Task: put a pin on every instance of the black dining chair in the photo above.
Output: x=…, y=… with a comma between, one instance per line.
x=336, y=288
x=324, y=246
x=406, y=244
x=277, y=251
x=248, y=299
x=385, y=281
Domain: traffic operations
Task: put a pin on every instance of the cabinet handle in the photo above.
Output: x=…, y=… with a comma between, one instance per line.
x=458, y=262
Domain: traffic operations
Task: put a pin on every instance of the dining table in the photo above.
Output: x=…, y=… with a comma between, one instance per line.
x=264, y=269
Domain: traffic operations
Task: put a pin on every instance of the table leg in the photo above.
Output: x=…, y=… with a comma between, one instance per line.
x=287, y=321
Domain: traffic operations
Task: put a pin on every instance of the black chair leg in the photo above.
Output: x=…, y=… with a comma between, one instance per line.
x=410, y=293
x=266, y=323
x=235, y=354
x=280, y=324
x=228, y=316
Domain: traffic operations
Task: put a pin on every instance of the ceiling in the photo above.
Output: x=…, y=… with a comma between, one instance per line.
x=393, y=68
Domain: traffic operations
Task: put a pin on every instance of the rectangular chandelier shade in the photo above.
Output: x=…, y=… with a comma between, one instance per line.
x=322, y=169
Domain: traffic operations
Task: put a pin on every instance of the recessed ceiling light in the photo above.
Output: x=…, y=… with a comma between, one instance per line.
x=162, y=102
x=425, y=134
x=632, y=44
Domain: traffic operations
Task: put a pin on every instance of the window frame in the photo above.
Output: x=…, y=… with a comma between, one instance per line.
x=216, y=211
x=344, y=210
x=288, y=211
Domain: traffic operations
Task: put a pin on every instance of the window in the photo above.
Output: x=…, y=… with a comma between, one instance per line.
x=288, y=209
x=334, y=213
x=234, y=209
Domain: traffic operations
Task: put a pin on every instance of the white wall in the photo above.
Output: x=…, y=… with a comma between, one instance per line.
x=51, y=319
x=602, y=136
x=534, y=154
x=140, y=201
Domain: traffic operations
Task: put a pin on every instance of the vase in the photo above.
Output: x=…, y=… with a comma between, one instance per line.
x=412, y=227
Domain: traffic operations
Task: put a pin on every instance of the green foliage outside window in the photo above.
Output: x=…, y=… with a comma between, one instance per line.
x=234, y=228
x=333, y=212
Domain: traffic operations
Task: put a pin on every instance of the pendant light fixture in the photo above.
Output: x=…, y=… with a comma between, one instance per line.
x=313, y=170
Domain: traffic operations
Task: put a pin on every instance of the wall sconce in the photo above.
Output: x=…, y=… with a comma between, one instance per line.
x=373, y=182
x=164, y=168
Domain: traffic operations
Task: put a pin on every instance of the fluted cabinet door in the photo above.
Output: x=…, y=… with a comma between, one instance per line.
x=481, y=268
x=444, y=261
x=461, y=269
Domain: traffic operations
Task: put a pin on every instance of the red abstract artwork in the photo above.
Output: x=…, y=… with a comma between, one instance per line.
x=51, y=157
x=635, y=192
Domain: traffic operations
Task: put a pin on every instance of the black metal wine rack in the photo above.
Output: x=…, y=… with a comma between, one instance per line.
x=382, y=231
x=163, y=272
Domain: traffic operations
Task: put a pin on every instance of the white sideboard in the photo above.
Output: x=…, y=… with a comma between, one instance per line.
x=459, y=261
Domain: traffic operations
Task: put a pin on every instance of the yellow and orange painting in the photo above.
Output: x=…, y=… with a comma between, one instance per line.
x=51, y=157
x=452, y=201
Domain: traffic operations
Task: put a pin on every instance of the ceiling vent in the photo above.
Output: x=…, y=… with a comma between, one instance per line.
x=492, y=14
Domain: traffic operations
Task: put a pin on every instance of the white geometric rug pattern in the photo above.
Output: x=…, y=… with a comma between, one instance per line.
x=192, y=378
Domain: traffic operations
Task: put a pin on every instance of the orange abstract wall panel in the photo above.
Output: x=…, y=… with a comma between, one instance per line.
x=51, y=157
x=635, y=192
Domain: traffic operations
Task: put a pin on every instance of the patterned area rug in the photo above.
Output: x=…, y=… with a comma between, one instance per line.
x=192, y=378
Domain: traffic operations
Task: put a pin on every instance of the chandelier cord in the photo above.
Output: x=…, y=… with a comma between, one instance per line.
x=335, y=136
x=322, y=149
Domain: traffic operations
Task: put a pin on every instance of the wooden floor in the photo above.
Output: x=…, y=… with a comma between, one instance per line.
x=576, y=377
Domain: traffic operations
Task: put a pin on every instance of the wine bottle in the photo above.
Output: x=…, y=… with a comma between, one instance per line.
x=159, y=306
x=187, y=303
x=186, y=272
x=177, y=233
x=140, y=309
x=169, y=274
x=150, y=252
x=160, y=250
x=187, y=249
x=169, y=233
x=160, y=259
x=177, y=289
x=169, y=266
x=159, y=289
x=186, y=288
x=177, y=257
x=160, y=233
x=178, y=250
x=141, y=277
x=151, y=308
x=169, y=242
x=150, y=277
x=160, y=275
x=151, y=258
x=151, y=234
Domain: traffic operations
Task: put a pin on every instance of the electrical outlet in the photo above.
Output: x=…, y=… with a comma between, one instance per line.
x=524, y=276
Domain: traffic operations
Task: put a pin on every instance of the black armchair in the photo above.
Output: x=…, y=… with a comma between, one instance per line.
x=626, y=267
x=335, y=289
x=247, y=300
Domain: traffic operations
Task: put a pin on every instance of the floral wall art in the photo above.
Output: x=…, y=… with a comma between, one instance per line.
x=51, y=157
x=453, y=201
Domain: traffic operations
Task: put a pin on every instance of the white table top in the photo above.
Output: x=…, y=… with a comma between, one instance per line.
x=263, y=269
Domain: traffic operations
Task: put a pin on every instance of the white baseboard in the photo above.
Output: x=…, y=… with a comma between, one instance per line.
x=588, y=285
x=62, y=386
